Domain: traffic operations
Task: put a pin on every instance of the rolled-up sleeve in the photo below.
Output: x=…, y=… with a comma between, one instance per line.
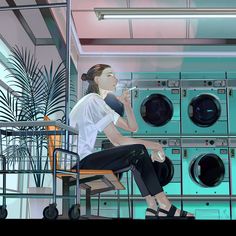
x=101, y=114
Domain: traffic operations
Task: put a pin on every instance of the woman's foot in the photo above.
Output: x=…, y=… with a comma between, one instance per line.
x=151, y=214
x=172, y=211
x=178, y=213
x=169, y=213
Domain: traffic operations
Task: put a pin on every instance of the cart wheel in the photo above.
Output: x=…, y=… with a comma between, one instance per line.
x=3, y=212
x=74, y=212
x=50, y=212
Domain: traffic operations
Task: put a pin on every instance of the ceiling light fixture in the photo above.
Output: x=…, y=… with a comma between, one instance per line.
x=163, y=13
x=202, y=54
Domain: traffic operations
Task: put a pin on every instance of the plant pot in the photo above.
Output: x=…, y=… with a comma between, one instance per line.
x=37, y=204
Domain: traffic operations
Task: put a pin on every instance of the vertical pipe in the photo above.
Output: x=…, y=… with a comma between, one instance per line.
x=54, y=187
x=4, y=171
x=67, y=101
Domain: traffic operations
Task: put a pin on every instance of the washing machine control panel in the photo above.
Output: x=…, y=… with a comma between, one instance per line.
x=211, y=142
x=166, y=142
x=203, y=83
x=153, y=84
x=219, y=83
x=232, y=83
x=232, y=142
x=174, y=142
x=221, y=142
x=170, y=142
x=173, y=83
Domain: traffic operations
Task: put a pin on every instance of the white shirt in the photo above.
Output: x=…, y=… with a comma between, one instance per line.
x=89, y=116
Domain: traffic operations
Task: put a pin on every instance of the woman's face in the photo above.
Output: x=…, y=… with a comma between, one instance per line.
x=107, y=80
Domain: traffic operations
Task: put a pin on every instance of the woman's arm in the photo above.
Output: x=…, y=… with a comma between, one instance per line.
x=117, y=139
x=130, y=124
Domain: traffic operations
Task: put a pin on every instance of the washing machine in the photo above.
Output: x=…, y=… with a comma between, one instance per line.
x=204, y=107
x=205, y=171
x=156, y=103
x=231, y=104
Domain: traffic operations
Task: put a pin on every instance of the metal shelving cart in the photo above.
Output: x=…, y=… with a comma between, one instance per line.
x=39, y=148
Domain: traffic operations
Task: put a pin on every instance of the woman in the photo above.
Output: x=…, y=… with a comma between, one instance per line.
x=92, y=115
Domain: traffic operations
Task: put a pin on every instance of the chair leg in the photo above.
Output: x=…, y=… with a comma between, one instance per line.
x=88, y=201
x=88, y=214
x=98, y=211
x=118, y=203
x=65, y=192
x=128, y=195
x=118, y=199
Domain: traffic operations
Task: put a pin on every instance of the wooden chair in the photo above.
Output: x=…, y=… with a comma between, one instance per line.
x=92, y=181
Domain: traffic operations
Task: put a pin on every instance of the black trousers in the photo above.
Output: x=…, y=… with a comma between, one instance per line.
x=134, y=156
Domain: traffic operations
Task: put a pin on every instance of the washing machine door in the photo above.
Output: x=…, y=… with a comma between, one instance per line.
x=164, y=171
x=156, y=110
x=204, y=110
x=207, y=170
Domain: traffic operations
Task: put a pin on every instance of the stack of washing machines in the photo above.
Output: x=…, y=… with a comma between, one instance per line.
x=193, y=116
x=156, y=105
x=205, y=159
x=190, y=114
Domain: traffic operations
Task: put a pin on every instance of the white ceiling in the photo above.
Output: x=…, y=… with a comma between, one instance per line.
x=88, y=26
x=120, y=33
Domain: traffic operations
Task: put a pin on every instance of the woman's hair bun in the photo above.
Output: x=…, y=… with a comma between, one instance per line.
x=84, y=77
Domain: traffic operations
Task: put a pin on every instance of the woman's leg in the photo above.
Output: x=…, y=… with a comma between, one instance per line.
x=151, y=203
x=135, y=156
x=98, y=160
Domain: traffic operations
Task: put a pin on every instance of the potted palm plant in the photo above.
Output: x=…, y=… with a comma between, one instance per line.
x=41, y=92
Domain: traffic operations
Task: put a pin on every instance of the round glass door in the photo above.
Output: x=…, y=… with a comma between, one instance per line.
x=156, y=110
x=204, y=110
x=207, y=170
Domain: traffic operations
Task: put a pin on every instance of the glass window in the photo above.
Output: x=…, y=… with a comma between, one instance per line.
x=12, y=179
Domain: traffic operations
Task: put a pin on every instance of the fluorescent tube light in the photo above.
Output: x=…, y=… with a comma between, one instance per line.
x=204, y=54
x=165, y=16
x=163, y=13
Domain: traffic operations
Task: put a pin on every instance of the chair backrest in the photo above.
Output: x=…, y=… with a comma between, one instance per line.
x=54, y=141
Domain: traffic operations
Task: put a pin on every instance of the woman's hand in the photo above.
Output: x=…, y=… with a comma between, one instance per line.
x=125, y=97
x=158, y=155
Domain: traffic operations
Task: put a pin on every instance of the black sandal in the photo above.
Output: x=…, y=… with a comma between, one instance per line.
x=151, y=217
x=171, y=214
